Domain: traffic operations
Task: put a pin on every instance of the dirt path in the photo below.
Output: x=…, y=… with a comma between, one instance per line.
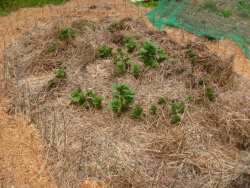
x=21, y=163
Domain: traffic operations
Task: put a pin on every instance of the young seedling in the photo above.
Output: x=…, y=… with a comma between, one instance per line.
x=121, y=61
x=175, y=119
x=77, y=97
x=121, y=67
x=137, y=112
x=123, y=96
x=192, y=56
x=162, y=101
x=136, y=70
x=104, y=51
x=60, y=73
x=153, y=109
x=177, y=108
x=130, y=44
x=66, y=34
x=210, y=94
x=152, y=55
x=52, y=47
x=93, y=99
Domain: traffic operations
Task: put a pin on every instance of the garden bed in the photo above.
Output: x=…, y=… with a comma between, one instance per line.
x=117, y=101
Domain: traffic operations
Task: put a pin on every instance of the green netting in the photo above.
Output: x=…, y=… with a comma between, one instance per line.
x=213, y=19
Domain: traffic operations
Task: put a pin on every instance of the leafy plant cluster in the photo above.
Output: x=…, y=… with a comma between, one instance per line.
x=123, y=97
x=151, y=54
x=86, y=98
x=130, y=44
x=66, y=34
x=124, y=64
x=105, y=51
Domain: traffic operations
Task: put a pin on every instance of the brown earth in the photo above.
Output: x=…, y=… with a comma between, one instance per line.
x=25, y=167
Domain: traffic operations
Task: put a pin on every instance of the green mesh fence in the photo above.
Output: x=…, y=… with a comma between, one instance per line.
x=213, y=19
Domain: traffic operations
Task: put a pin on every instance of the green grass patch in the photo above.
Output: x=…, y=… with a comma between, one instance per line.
x=6, y=6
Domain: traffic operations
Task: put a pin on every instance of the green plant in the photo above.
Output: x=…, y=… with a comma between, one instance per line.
x=192, y=56
x=77, y=97
x=130, y=44
x=6, y=6
x=60, y=73
x=93, y=99
x=88, y=98
x=210, y=94
x=104, y=51
x=175, y=119
x=122, y=62
x=177, y=108
x=152, y=55
x=162, y=101
x=123, y=96
x=136, y=70
x=226, y=13
x=137, y=112
x=153, y=109
x=121, y=67
x=66, y=34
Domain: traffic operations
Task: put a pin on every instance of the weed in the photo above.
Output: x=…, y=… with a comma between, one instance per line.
x=123, y=96
x=153, y=109
x=77, y=97
x=137, y=112
x=66, y=34
x=60, y=73
x=151, y=54
x=162, y=101
x=210, y=94
x=130, y=44
x=136, y=70
x=104, y=51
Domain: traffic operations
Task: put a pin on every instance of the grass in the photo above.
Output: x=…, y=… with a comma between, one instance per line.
x=6, y=6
